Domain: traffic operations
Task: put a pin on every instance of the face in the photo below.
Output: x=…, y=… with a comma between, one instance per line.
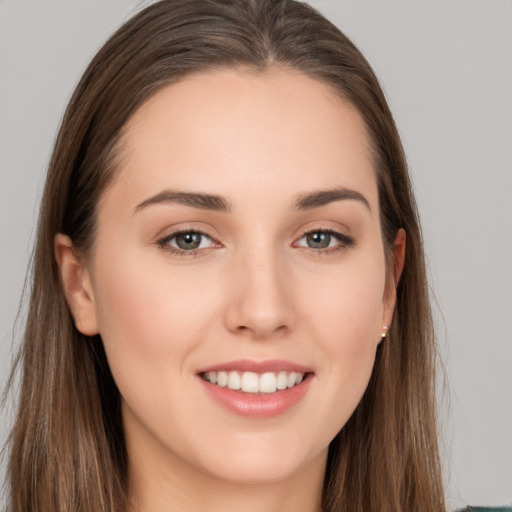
x=239, y=245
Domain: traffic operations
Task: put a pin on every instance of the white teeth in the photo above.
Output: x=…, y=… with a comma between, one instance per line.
x=282, y=380
x=222, y=379
x=251, y=382
x=292, y=379
x=234, y=381
x=268, y=383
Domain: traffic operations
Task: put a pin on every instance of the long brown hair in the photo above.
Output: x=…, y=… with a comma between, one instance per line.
x=67, y=450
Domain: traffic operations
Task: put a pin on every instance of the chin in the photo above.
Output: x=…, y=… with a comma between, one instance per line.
x=261, y=460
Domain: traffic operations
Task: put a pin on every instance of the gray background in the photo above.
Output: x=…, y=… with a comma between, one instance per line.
x=446, y=69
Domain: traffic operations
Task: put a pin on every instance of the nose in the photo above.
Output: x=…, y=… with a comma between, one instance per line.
x=260, y=305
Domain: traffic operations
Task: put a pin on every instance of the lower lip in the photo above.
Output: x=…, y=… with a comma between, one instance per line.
x=257, y=405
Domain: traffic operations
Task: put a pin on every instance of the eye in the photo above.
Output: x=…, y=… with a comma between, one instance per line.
x=186, y=241
x=318, y=240
x=322, y=239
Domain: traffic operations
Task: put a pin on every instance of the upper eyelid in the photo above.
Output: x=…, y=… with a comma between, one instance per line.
x=332, y=225
x=345, y=240
x=187, y=229
x=329, y=230
x=324, y=230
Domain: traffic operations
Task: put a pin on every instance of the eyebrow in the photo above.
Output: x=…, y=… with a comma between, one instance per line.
x=323, y=197
x=218, y=203
x=192, y=199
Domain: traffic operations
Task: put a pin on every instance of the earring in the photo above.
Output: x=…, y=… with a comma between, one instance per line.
x=384, y=334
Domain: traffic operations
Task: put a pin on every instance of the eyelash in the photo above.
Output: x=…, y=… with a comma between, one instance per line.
x=345, y=242
x=164, y=243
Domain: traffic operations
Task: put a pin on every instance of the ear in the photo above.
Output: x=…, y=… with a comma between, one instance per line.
x=76, y=284
x=397, y=266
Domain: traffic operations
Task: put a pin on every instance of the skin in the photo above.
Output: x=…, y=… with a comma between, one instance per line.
x=253, y=290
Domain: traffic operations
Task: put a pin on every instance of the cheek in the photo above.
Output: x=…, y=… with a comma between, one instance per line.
x=150, y=317
x=348, y=307
x=345, y=320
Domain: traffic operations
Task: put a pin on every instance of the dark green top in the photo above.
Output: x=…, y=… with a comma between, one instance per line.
x=487, y=509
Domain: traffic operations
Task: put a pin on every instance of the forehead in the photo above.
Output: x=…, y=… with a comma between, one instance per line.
x=226, y=130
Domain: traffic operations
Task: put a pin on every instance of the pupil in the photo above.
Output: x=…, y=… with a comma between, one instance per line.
x=188, y=241
x=319, y=240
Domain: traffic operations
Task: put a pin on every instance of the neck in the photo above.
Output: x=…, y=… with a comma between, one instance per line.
x=179, y=487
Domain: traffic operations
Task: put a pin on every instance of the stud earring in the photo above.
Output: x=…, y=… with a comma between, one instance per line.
x=384, y=334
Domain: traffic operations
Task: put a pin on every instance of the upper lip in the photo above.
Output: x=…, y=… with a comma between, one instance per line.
x=250, y=365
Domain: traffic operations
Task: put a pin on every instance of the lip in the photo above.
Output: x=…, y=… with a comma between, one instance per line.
x=251, y=365
x=257, y=405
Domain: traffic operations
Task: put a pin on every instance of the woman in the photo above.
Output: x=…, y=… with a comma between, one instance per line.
x=229, y=304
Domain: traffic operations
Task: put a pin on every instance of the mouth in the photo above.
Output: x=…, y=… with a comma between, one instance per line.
x=253, y=382
x=257, y=389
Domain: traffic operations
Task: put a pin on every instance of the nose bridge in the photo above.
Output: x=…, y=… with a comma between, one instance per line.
x=261, y=302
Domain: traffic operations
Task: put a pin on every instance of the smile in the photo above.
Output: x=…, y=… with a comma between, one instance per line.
x=257, y=389
x=252, y=382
